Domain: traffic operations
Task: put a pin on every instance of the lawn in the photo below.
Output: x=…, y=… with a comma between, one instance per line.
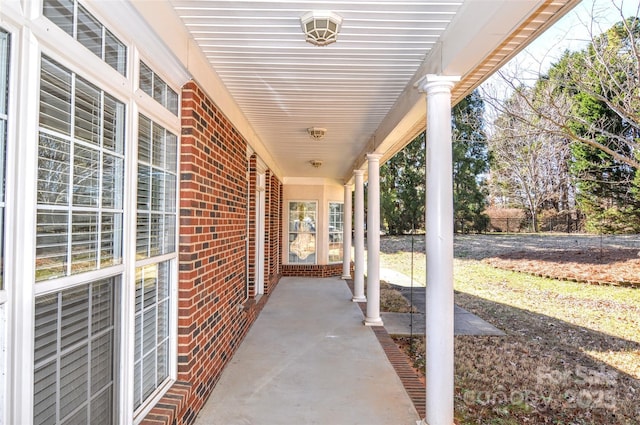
x=571, y=354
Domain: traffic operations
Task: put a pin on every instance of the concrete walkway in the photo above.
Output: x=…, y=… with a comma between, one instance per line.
x=308, y=359
x=465, y=323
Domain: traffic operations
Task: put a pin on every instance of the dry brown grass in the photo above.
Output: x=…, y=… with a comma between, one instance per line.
x=392, y=300
x=571, y=354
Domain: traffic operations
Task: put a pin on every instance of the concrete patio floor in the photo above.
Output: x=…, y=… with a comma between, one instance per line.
x=308, y=359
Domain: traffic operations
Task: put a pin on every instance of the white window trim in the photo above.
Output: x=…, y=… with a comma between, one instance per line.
x=24, y=93
x=7, y=351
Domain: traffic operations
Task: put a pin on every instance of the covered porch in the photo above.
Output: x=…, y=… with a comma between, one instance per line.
x=168, y=162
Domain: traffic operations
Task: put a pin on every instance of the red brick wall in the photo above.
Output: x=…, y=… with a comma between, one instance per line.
x=312, y=270
x=213, y=315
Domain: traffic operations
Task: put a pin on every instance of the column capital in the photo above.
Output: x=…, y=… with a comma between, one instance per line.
x=374, y=156
x=432, y=82
x=358, y=172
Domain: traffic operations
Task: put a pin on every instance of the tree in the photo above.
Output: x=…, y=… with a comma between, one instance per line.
x=606, y=187
x=402, y=178
x=402, y=188
x=527, y=163
x=591, y=99
x=470, y=163
x=608, y=72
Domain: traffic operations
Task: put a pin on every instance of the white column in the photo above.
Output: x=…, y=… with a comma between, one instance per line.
x=346, y=233
x=358, y=238
x=373, y=242
x=439, y=251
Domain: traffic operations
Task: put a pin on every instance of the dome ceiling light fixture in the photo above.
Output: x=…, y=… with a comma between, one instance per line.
x=321, y=27
x=316, y=133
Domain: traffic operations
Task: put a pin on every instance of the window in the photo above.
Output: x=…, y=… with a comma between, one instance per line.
x=156, y=236
x=4, y=112
x=302, y=232
x=78, y=229
x=157, y=180
x=76, y=21
x=151, y=367
x=95, y=280
x=80, y=176
x=74, y=348
x=155, y=87
x=336, y=226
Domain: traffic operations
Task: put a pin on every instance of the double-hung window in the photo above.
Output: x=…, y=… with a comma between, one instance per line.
x=155, y=249
x=79, y=234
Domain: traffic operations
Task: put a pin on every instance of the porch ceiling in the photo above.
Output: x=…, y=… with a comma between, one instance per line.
x=361, y=88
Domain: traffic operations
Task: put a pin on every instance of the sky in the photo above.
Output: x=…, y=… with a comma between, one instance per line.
x=572, y=32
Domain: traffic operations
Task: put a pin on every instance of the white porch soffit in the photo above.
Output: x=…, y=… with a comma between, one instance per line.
x=361, y=87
